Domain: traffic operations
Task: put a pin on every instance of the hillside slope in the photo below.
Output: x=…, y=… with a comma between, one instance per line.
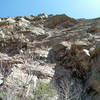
x=39, y=51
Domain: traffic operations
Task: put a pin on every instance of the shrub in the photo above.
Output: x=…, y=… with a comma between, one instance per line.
x=53, y=21
x=44, y=91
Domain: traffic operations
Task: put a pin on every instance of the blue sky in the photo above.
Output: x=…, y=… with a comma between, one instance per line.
x=73, y=8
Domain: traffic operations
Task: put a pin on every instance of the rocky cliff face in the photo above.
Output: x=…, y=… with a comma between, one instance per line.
x=39, y=51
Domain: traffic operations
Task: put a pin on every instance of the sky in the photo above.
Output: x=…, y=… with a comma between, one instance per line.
x=72, y=8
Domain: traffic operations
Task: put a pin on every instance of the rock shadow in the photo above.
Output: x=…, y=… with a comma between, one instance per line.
x=67, y=85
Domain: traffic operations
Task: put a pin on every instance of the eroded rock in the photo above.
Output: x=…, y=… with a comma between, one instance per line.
x=54, y=48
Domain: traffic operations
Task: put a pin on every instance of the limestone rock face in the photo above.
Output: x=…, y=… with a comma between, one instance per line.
x=54, y=49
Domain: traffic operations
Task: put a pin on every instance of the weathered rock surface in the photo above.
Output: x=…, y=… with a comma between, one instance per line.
x=57, y=48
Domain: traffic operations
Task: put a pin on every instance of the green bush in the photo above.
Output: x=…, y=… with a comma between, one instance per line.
x=44, y=91
x=2, y=94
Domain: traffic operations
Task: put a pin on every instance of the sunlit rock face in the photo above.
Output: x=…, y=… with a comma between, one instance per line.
x=53, y=49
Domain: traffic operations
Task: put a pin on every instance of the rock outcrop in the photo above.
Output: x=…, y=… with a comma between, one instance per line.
x=54, y=49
